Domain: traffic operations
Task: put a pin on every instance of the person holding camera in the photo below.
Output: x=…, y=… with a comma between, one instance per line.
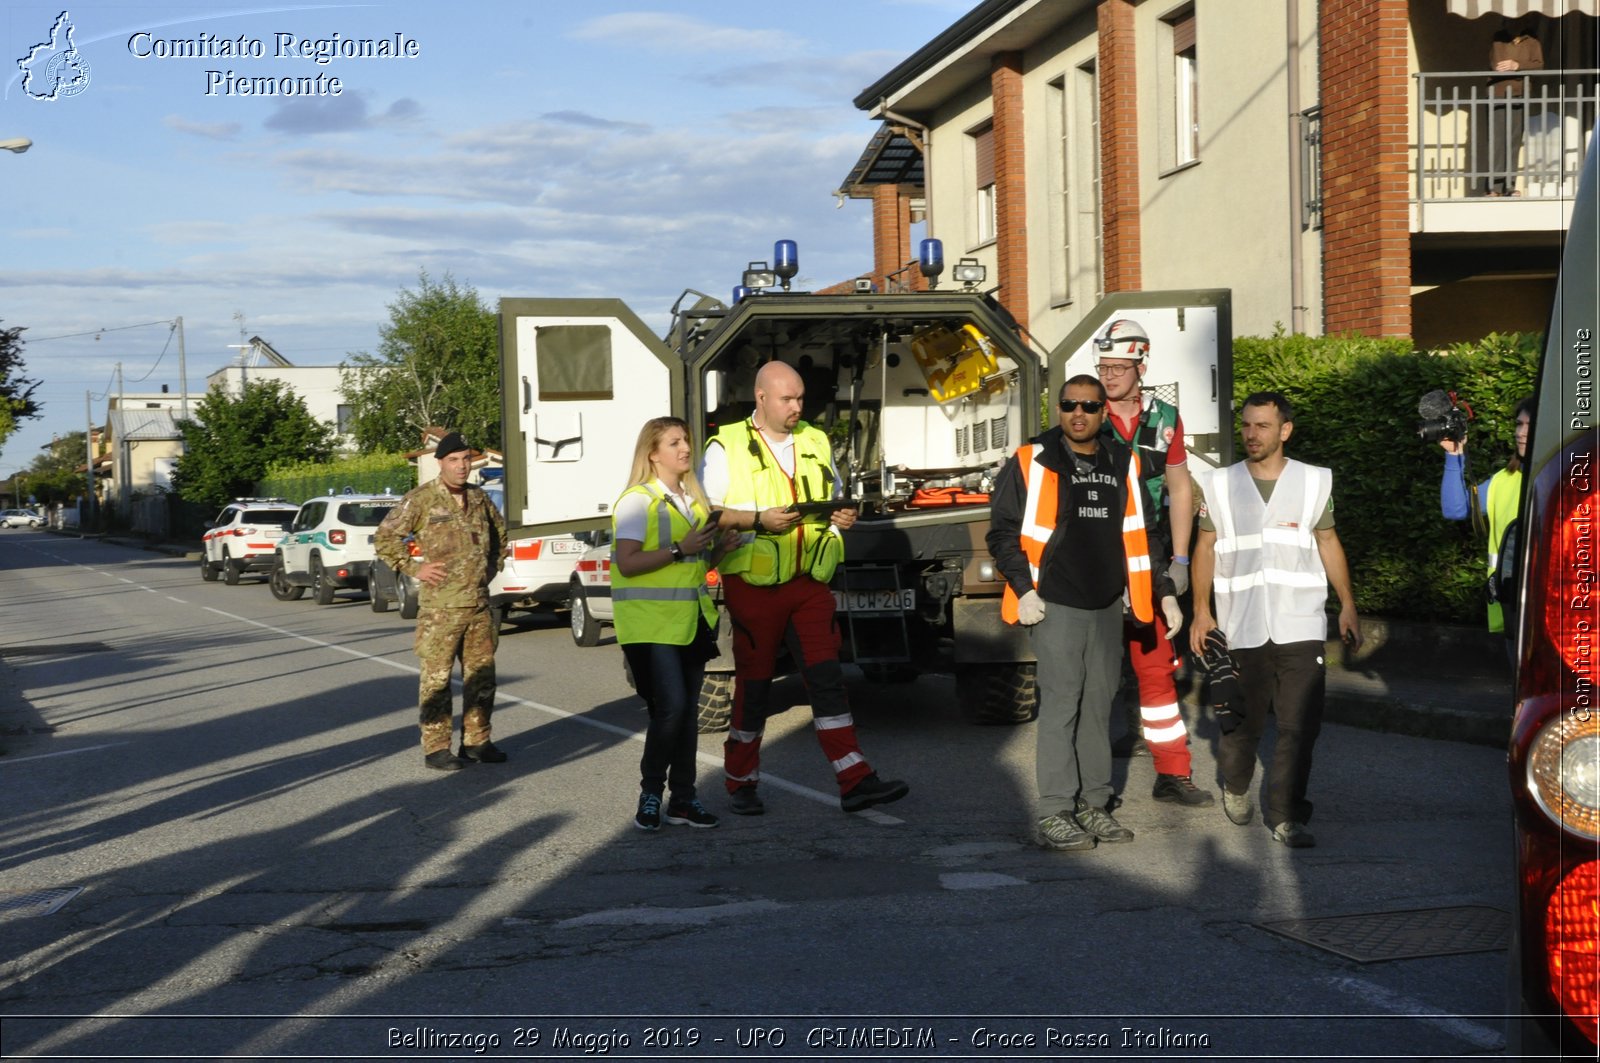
x=665, y=541
x=1494, y=507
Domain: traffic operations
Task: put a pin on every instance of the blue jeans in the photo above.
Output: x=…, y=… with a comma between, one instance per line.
x=668, y=678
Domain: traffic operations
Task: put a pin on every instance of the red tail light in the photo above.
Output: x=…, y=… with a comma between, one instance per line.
x=1572, y=927
x=336, y=537
x=526, y=549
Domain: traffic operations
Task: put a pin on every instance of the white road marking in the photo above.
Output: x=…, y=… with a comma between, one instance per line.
x=562, y=714
x=1381, y=999
x=978, y=880
x=61, y=753
x=699, y=916
x=180, y=601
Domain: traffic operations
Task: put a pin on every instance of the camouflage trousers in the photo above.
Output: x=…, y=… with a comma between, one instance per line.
x=444, y=634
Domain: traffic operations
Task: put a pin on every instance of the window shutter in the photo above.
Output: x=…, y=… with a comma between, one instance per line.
x=984, y=142
x=1183, y=33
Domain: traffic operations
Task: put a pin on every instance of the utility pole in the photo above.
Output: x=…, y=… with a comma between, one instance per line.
x=183, y=372
x=88, y=446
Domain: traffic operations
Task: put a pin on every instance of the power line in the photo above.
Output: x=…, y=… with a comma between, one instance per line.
x=96, y=332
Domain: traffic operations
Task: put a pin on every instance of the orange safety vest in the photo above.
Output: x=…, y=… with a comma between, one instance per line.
x=1039, y=521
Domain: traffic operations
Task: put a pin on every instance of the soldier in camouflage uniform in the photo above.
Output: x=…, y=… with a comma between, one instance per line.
x=461, y=536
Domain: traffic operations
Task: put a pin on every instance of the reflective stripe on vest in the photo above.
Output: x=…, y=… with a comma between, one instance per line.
x=1269, y=581
x=1039, y=523
x=1503, y=504
x=757, y=481
x=665, y=604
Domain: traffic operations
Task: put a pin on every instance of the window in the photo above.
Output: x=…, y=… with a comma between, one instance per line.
x=574, y=362
x=1057, y=124
x=343, y=415
x=985, y=216
x=1185, y=90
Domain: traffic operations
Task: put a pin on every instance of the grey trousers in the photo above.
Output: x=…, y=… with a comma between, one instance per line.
x=1080, y=667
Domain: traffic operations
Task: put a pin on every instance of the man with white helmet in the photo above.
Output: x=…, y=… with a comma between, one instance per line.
x=1138, y=419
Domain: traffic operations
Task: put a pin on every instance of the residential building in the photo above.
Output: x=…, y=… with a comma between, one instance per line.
x=144, y=444
x=1317, y=157
x=316, y=385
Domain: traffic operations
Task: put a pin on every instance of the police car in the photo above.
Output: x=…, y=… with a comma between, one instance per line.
x=243, y=538
x=329, y=545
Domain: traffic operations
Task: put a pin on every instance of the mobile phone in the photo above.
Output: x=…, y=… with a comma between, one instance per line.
x=713, y=519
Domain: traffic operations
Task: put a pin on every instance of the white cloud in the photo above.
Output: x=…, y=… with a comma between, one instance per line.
x=209, y=130
x=657, y=31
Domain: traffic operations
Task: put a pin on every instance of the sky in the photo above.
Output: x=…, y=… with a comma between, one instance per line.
x=582, y=148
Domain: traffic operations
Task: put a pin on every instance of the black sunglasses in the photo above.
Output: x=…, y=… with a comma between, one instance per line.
x=1089, y=405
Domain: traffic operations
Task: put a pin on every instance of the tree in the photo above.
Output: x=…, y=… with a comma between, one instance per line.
x=16, y=390
x=57, y=474
x=232, y=441
x=437, y=365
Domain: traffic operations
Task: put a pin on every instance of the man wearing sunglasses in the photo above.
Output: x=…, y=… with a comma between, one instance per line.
x=1139, y=419
x=1067, y=529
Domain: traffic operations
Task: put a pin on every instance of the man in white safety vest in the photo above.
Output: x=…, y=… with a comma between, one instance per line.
x=1268, y=549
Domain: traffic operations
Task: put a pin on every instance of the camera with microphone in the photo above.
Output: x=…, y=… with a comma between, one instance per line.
x=1443, y=416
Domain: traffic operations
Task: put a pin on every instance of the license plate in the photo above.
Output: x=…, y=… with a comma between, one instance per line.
x=875, y=601
x=566, y=546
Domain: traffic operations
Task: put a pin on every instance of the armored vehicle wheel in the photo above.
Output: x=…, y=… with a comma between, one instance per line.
x=716, y=702
x=230, y=570
x=207, y=573
x=321, y=586
x=998, y=693
x=278, y=581
x=585, y=628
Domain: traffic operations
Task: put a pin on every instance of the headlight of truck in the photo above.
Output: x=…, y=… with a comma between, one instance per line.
x=1564, y=772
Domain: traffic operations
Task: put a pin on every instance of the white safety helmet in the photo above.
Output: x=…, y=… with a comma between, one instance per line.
x=1124, y=338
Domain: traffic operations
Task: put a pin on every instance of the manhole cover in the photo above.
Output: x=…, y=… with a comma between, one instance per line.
x=59, y=648
x=1407, y=935
x=35, y=902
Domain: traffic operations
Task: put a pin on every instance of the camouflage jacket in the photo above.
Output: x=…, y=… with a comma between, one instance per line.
x=469, y=539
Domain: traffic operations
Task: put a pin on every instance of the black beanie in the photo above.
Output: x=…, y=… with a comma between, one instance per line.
x=450, y=444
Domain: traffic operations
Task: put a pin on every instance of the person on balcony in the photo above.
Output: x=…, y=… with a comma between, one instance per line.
x=1498, y=141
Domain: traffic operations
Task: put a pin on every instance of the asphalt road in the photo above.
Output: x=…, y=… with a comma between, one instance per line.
x=266, y=870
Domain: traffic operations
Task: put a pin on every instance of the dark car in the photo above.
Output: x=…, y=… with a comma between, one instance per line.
x=1555, y=741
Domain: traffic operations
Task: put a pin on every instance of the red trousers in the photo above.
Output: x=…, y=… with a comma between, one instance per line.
x=798, y=614
x=1154, y=662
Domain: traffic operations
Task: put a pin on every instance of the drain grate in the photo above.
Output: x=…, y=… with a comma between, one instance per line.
x=59, y=648
x=35, y=902
x=1380, y=936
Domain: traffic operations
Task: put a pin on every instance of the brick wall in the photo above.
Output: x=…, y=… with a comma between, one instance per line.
x=891, y=240
x=1366, y=239
x=1010, y=184
x=1119, y=147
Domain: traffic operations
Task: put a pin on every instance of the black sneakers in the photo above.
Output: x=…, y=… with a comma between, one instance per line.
x=873, y=791
x=488, y=753
x=444, y=760
x=649, y=815
x=691, y=813
x=746, y=802
x=1181, y=790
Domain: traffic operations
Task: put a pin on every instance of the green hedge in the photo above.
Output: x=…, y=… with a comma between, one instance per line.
x=1355, y=403
x=372, y=473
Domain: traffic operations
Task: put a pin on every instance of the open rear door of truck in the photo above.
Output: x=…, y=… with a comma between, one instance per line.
x=578, y=378
x=1191, y=358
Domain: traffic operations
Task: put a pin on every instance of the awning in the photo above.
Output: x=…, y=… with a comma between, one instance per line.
x=1552, y=8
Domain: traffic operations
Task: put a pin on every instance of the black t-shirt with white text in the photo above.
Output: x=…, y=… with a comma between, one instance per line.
x=1084, y=566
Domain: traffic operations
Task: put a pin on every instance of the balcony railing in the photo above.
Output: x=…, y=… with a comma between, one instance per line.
x=1470, y=143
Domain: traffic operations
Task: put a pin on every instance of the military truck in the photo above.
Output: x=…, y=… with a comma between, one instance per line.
x=925, y=394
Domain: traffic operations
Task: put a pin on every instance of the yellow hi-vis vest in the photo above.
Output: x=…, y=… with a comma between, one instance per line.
x=1039, y=521
x=756, y=481
x=1505, y=501
x=664, y=605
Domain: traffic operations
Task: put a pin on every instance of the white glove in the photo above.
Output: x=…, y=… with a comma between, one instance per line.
x=1174, y=615
x=1179, y=572
x=1030, y=610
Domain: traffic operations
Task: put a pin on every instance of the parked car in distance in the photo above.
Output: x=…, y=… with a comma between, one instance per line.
x=21, y=518
x=1554, y=758
x=537, y=573
x=329, y=546
x=244, y=538
x=386, y=587
x=589, y=590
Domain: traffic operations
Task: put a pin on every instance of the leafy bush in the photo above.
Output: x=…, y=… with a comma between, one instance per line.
x=371, y=473
x=1355, y=403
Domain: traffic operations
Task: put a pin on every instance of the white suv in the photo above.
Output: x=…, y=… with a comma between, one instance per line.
x=329, y=545
x=243, y=537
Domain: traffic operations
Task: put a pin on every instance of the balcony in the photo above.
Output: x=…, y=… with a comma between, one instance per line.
x=1499, y=164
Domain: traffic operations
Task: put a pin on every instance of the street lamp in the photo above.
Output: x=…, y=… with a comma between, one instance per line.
x=17, y=145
